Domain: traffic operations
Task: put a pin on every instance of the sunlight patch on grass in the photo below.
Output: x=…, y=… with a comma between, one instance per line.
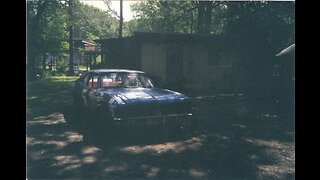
x=150, y=171
x=62, y=78
x=40, y=154
x=115, y=168
x=89, y=160
x=197, y=173
x=33, y=141
x=90, y=150
x=284, y=153
x=253, y=156
x=66, y=160
x=73, y=136
x=276, y=172
x=69, y=163
x=83, y=68
x=265, y=116
x=52, y=119
x=240, y=126
x=58, y=144
x=32, y=97
x=260, y=142
x=177, y=147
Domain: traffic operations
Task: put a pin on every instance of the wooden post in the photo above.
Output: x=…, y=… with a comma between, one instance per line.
x=51, y=64
x=87, y=60
x=44, y=66
x=121, y=19
x=94, y=58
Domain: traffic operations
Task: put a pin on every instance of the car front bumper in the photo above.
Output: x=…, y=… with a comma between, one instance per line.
x=153, y=119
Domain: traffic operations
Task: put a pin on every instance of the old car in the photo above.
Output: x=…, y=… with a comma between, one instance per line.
x=127, y=96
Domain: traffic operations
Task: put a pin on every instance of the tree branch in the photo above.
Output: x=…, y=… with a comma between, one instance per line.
x=107, y=3
x=185, y=12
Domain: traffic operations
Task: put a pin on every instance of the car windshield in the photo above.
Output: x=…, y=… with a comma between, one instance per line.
x=125, y=80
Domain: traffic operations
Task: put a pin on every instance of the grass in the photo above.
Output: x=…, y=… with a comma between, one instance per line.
x=82, y=68
x=49, y=95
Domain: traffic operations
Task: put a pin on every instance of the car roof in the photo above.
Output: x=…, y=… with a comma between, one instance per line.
x=114, y=70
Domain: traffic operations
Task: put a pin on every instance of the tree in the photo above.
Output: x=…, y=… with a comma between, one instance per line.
x=179, y=16
x=164, y=16
x=71, y=41
x=92, y=23
x=35, y=10
x=204, y=16
x=46, y=32
x=48, y=25
x=260, y=30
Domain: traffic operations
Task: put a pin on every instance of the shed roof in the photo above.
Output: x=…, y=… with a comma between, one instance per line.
x=163, y=37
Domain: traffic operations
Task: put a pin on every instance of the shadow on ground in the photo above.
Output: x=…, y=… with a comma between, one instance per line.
x=228, y=143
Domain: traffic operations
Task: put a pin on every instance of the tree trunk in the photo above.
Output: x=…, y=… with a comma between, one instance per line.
x=204, y=17
x=43, y=66
x=32, y=32
x=201, y=14
x=71, y=70
x=208, y=17
x=191, y=22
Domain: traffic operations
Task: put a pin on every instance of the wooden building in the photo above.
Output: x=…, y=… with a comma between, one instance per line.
x=195, y=62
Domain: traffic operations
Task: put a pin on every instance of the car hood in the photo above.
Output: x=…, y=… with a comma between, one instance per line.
x=131, y=96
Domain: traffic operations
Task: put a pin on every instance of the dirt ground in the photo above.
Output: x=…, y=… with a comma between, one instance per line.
x=229, y=142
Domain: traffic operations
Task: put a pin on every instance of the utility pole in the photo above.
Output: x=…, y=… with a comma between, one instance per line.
x=71, y=43
x=121, y=19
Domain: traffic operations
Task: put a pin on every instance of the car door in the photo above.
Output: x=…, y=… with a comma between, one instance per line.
x=86, y=89
x=78, y=87
x=92, y=93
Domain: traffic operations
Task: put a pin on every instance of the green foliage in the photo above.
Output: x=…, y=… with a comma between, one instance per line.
x=174, y=16
x=98, y=59
x=53, y=28
x=49, y=95
x=266, y=21
x=227, y=17
x=218, y=20
x=48, y=25
x=164, y=16
x=61, y=66
x=260, y=30
x=92, y=23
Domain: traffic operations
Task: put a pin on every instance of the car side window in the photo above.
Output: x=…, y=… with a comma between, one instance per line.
x=93, y=81
x=86, y=80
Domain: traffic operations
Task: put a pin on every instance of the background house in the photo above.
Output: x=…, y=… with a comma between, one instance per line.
x=184, y=61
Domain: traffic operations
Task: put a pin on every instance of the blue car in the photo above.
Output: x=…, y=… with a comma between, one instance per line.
x=126, y=96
